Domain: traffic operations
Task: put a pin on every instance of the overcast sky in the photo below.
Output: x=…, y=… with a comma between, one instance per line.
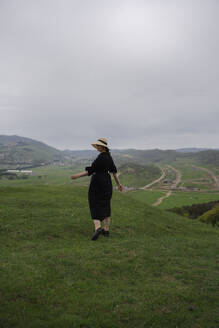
x=142, y=73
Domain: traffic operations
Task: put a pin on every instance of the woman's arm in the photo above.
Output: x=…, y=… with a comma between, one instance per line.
x=79, y=175
x=117, y=182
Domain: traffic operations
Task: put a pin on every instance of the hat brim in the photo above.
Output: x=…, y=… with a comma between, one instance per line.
x=99, y=144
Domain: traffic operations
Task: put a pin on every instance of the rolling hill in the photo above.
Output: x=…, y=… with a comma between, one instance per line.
x=19, y=151
x=208, y=157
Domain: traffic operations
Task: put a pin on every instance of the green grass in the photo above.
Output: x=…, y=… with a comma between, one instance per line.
x=146, y=196
x=189, y=172
x=178, y=199
x=155, y=270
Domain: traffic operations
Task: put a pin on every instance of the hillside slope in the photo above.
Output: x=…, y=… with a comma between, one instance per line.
x=209, y=157
x=15, y=150
x=155, y=270
x=135, y=175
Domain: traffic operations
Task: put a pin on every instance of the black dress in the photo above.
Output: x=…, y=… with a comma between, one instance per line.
x=100, y=190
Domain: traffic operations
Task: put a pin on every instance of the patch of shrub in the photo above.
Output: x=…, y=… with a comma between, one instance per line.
x=195, y=210
x=211, y=216
x=11, y=176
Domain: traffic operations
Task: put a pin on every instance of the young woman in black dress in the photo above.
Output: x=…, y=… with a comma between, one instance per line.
x=100, y=190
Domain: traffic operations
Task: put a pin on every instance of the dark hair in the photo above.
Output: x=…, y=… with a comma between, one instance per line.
x=107, y=150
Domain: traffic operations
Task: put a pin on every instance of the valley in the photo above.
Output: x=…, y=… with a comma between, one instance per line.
x=158, y=177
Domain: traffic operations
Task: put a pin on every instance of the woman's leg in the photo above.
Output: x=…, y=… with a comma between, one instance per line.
x=106, y=224
x=97, y=224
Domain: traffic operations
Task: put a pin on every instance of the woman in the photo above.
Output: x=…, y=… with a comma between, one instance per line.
x=100, y=190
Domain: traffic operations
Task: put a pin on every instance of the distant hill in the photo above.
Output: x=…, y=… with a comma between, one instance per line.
x=191, y=150
x=80, y=154
x=19, y=151
x=145, y=156
x=209, y=157
x=123, y=156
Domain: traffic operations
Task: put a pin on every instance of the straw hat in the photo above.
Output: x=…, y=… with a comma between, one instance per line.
x=100, y=142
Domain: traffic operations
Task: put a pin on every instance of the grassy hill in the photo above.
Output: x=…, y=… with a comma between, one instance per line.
x=19, y=151
x=155, y=270
x=124, y=156
x=146, y=156
x=208, y=157
x=135, y=175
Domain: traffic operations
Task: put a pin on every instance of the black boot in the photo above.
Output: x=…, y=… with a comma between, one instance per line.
x=105, y=233
x=96, y=234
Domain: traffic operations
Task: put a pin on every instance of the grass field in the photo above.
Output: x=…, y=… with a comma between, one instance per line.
x=189, y=172
x=178, y=199
x=146, y=196
x=155, y=270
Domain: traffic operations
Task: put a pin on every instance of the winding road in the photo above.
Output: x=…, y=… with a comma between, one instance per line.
x=177, y=181
x=159, y=201
x=174, y=185
x=155, y=181
x=178, y=176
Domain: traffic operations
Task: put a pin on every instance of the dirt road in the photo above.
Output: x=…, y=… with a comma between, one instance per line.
x=159, y=201
x=155, y=181
x=174, y=185
x=178, y=176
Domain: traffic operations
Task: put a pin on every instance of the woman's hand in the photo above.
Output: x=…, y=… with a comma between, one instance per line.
x=74, y=176
x=120, y=187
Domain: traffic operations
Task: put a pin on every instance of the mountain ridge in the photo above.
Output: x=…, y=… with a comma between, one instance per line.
x=26, y=151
